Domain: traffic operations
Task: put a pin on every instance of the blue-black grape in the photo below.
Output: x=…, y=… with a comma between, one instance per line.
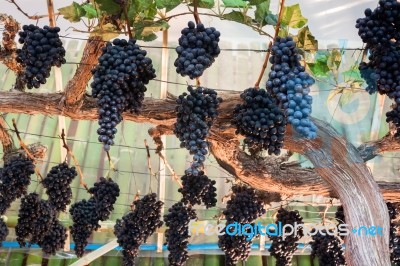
x=3, y=231
x=105, y=193
x=260, y=120
x=54, y=239
x=119, y=82
x=197, y=50
x=135, y=227
x=327, y=247
x=196, y=111
x=41, y=50
x=290, y=84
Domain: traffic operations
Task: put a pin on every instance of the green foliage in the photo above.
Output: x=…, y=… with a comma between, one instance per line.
x=305, y=40
x=234, y=3
x=109, y=7
x=107, y=31
x=73, y=12
x=90, y=11
x=168, y=4
x=237, y=17
x=262, y=12
x=320, y=68
x=292, y=17
x=206, y=3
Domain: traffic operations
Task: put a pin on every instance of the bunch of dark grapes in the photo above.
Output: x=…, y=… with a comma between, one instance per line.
x=119, y=85
x=290, y=84
x=340, y=218
x=15, y=179
x=284, y=248
x=394, y=238
x=235, y=247
x=198, y=189
x=41, y=50
x=260, y=120
x=54, y=239
x=196, y=111
x=57, y=184
x=197, y=50
x=177, y=220
x=134, y=228
x=3, y=231
x=379, y=29
x=244, y=207
x=105, y=193
x=35, y=218
x=85, y=221
x=327, y=248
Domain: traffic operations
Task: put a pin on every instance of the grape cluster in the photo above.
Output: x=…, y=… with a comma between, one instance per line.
x=196, y=111
x=35, y=218
x=379, y=29
x=197, y=50
x=134, y=228
x=54, y=239
x=327, y=248
x=85, y=221
x=15, y=179
x=177, y=220
x=290, y=85
x=340, y=218
x=284, y=248
x=42, y=49
x=57, y=184
x=119, y=84
x=3, y=231
x=198, y=189
x=105, y=193
x=260, y=120
x=244, y=207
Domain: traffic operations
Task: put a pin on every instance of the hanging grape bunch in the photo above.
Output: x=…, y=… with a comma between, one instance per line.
x=260, y=120
x=290, y=85
x=41, y=50
x=284, y=248
x=197, y=50
x=15, y=178
x=340, y=218
x=54, y=239
x=3, y=231
x=105, y=193
x=57, y=184
x=327, y=248
x=177, y=235
x=134, y=228
x=198, y=189
x=244, y=207
x=196, y=112
x=380, y=31
x=119, y=82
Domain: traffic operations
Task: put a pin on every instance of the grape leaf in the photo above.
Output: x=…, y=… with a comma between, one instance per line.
x=73, y=12
x=145, y=30
x=319, y=68
x=108, y=6
x=91, y=12
x=261, y=12
x=234, y=3
x=334, y=59
x=257, y=2
x=206, y=3
x=238, y=17
x=353, y=75
x=292, y=17
x=107, y=31
x=271, y=19
x=306, y=40
x=168, y=4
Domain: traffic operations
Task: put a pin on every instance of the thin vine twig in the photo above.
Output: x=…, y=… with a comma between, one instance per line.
x=277, y=27
x=78, y=168
x=149, y=161
x=23, y=146
x=35, y=17
x=110, y=163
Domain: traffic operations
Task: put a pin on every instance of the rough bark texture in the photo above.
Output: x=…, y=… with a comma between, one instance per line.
x=76, y=87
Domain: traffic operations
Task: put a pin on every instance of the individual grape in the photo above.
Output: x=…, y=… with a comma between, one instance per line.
x=3, y=231
x=57, y=184
x=235, y=248
x=41, y=50
x=177, y=220
x=327, y=248
x=35, y=218
x=196, y=111
x=284, y=248
x=135, y=227
x=197, y=50
x=85, y=221
x=260, y=120
x=290, y=84
x=105, y=193
x=198, y=189
x=119, y=82
x=15, y=179
x=368, y=74
x=54, y=239
x=244, y=206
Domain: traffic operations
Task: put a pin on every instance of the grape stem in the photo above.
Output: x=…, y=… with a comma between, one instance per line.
x=110, y=163
x=78, y=168
x=23, y=146
x=148, y=159
x=127, y=23
x=277, y=27
x=196, y=12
